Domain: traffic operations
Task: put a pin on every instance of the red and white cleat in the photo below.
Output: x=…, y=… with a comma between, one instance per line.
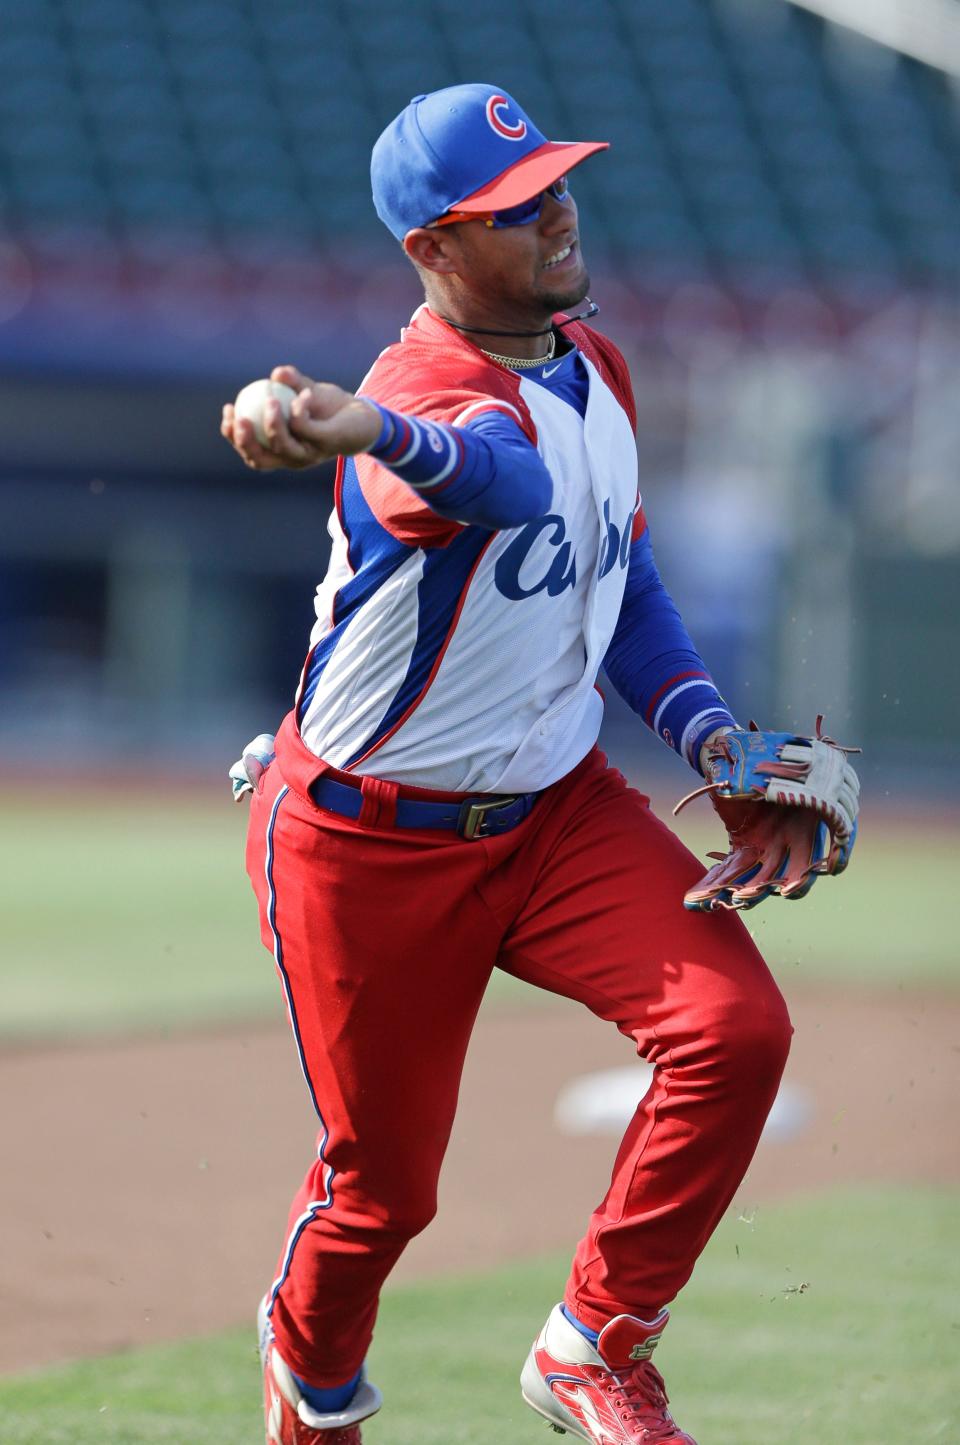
x=611, y=1395
x=290, y=1420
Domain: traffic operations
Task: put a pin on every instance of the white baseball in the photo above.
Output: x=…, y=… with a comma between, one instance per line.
x=252, y=400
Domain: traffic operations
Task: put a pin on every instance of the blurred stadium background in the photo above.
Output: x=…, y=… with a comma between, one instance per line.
x=775, y=243
x=774, y=240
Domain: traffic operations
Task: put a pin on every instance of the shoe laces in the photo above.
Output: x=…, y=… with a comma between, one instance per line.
x=640, y=1392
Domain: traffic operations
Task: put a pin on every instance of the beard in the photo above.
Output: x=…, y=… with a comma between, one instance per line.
x=562, y=297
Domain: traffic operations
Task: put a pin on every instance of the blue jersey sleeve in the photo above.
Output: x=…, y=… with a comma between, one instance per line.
x=487, y=473
x=655, y=667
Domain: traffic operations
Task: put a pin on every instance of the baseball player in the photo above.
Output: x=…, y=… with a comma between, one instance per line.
x=435, y=805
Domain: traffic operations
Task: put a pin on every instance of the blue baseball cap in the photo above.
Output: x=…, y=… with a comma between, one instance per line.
x=466, y=148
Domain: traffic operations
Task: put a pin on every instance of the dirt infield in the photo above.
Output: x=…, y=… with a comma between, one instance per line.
x=146, y=1182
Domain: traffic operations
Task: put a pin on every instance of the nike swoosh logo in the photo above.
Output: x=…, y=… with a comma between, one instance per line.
x=547, y=373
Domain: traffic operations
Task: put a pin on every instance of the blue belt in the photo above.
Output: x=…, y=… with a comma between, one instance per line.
x=478, y=817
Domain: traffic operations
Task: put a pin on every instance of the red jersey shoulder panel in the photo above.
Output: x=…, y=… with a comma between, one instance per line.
x=435, y=373
x=399, y=510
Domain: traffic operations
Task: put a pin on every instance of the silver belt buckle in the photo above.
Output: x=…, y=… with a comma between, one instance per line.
x=473, y=816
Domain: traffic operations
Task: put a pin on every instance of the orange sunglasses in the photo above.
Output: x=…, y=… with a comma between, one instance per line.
x=520, y=215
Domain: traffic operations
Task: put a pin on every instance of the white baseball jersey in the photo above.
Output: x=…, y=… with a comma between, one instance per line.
x=448, y=656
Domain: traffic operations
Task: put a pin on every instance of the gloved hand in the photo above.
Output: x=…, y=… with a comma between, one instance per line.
x=250, y=768
x=789, y=805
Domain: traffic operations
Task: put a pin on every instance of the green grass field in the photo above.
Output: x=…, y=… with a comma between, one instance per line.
x=832, y=1320
x=137, y=913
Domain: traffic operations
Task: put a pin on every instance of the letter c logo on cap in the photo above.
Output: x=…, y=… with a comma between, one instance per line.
x=495, y=104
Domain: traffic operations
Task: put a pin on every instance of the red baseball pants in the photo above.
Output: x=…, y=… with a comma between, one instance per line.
x=384, y=940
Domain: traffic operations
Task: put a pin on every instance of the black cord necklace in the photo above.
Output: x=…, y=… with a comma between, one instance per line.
x=592, y=310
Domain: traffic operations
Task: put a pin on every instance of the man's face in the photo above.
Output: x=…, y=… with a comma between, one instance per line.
x=536, y=269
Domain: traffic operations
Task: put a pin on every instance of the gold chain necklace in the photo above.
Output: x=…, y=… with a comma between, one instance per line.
x=523, y=363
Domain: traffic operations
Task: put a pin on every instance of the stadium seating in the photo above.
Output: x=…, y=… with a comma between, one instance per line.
x=741, y=132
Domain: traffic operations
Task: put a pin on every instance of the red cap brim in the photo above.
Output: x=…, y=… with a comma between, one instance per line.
x=531, y=175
